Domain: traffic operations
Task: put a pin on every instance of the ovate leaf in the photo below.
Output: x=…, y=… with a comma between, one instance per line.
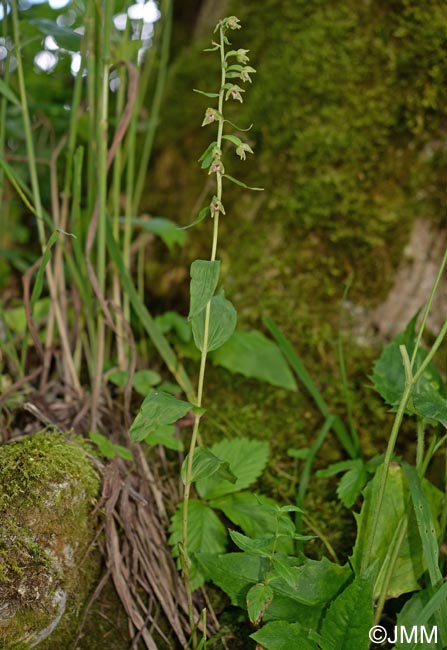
x=204, y=279
x=222, y=323
x=259, y=598
x=157, y=410
x=164, y=435
x=246, y=458
x=253, y=355
x=145, y=380
x=108, y=449
x=280, y=635
x=350, y=616
x=206, y=534
x=205, y=464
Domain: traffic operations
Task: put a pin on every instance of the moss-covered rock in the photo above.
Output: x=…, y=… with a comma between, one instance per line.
x=48, y=489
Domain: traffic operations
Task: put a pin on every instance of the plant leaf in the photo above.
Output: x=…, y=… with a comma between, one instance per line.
x=223, y=319
x=200, y=217
x=206, y=534
x=164, y=435
x=350, y=616
x=234, y=139
x=145, y=380
x=395, y=507
x=7, y=92
x=172, y=320
x=260, y=546
x=205, y=464
x=158, y=409
x=210, y=95
x=241, y=184
x=255, y=515
x=280, y=635
x=247, y=459
x=166, y=229
x=207, y=156
x=66, y=38
x=259, y=598
x=108, y=449
x=253, y=355
x=204, y=279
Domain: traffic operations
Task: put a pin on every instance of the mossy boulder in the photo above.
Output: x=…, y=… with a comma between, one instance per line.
x=48, y=490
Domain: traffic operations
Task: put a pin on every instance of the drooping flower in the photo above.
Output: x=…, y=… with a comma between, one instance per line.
x=211, y=115
x=234, y=92
x=242, y=149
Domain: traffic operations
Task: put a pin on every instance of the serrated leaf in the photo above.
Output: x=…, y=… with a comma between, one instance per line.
x=352, y=483
x=206, y=534
x=145, y=380
x=200, y=217
x=247, y=459
x=157, y=410
x=164, y=435
x=396, y=506
x=428, y=395
x=253, y=355
x=260, y=546
x=350, y=616
x=206, y=464
x=222, y=323
x=255, y=515
x=66, y=38
x=280, y=635
x=204, y=279
x=241, y=184
x=259, y=598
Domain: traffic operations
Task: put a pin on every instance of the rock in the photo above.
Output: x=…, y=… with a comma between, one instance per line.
x=47, y=491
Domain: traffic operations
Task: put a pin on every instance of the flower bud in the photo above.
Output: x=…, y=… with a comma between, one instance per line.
x=241, y=56
x=211, y=115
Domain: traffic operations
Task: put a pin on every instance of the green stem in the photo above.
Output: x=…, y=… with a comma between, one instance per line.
x=195, y=433
x=388, y=567
x=420, y=444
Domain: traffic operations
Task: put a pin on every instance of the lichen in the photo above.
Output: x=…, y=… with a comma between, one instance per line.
x=46, y=567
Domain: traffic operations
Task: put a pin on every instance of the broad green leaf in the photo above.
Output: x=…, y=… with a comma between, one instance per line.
x=280, y=635
x=259, y=598
x=145, y=380
x=350, y=616
x=260, y=546
x=222, y=323
x=205, y=464
x=241, y=184
x=428, y=395
x=7, y=92
x=247, y=459
x=249, y=512
x=170, y=387
x=206, y=534
x=166, y=229
x=253, y=355
x=66, y=38
x=164, y=435
x=316, y=582
x=108, y=449
x=158, y=409
x=396, y=506
x=15, y=317
x=200, y=217
x=204, y=279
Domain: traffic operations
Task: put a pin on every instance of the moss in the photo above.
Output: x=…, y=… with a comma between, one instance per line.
x=46, y=567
